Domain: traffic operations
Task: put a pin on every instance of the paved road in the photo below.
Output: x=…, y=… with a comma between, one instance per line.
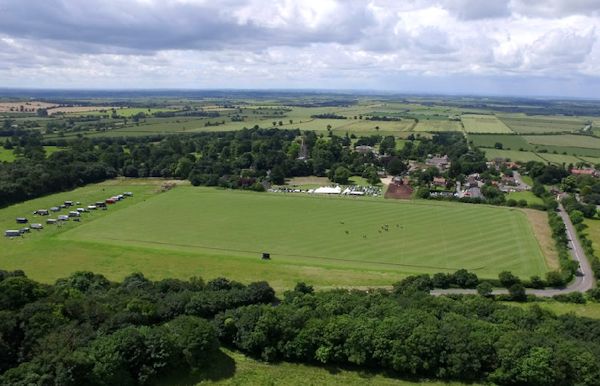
x=583, y=282
x=519, y=181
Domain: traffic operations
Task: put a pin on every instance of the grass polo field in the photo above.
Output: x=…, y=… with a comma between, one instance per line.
x=327, y=241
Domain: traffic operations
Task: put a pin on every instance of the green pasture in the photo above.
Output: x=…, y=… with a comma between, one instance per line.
x=525, y=195
x=308, y=234
x=520, y=123
x=480, y=123
x=588, y=310
x=7, y=155
x=435, y=125
x=569, y=150
x=592, y=160
x=564, y=140
x=559, y=158
x=235, y=368
x=593, y=233
x=513, y=155
x=509, y=142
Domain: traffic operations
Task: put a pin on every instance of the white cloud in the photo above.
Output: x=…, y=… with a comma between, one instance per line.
x=286, y=43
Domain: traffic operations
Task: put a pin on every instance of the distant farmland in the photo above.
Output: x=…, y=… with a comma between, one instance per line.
x=475, y=123
x=565, y=140
x=534, y=125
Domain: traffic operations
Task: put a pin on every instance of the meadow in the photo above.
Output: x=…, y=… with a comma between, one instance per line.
x=235, y=368
x=559, y=158
x=523, y=124
x=208, y=232
x=527, y=196
x=7, y=155
x=435, y=125
x=479, y=123
x=509, y=142
x=513, y=155
x=564, y=140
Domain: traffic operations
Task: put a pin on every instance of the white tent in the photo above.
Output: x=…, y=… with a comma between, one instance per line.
x=328, y=190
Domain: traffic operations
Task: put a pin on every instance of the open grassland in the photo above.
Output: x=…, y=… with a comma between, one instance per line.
x=7, y=155
x=234, y=368
x=593, y=233
x=537, y=124
x=564, y=140
x=509, y=142
x=325, y=232
x=479, y=123
x=435, y=125
x=569, y=150
x=525, y=195
x=559, y=158
x=210, y=233
x=588, y=310
x=592, y=160
x=513, y=155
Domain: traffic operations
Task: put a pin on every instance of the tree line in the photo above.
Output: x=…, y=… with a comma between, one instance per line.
x=245, y=159
x=84, y=329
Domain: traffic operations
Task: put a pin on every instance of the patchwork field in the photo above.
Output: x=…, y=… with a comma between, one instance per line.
x=432, y=125
x=565, y=140
x=207, y=232
x=513, y=155
x=534, y=125
x=559, y=158
x=509, y=142
x=476, y=123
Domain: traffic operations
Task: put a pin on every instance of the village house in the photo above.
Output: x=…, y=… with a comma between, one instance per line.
x=439, y=181
x=442, y=163
x=508, y=180
x=585, y=172
x=363, y=149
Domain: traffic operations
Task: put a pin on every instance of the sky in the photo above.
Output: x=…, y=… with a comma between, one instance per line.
x=492, y=47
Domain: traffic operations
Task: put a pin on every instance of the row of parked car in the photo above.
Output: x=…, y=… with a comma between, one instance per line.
x=74, y=214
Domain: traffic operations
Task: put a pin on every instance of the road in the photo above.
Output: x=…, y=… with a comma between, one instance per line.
x=522, y=185
x=583, y=281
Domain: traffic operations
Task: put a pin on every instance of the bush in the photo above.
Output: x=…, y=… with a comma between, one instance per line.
x=517, y=292
x=555, y=279
x=572, y=297
x=507, y=279
x=484, y=289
